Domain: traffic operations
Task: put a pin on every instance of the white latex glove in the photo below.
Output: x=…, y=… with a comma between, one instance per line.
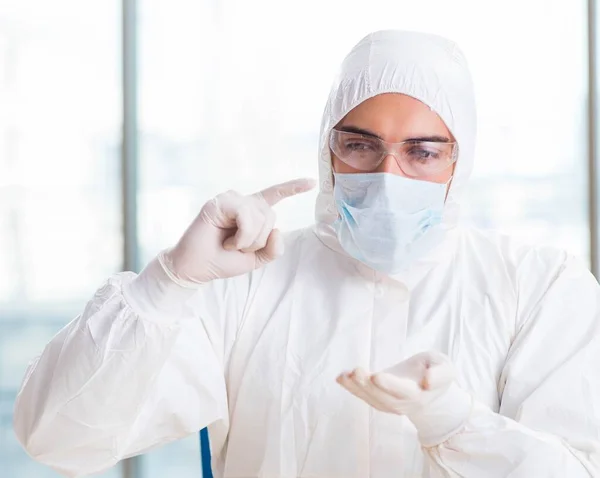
x=232, y=235
x=423, y=388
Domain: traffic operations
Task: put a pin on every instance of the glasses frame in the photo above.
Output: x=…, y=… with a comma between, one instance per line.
x=391, y=149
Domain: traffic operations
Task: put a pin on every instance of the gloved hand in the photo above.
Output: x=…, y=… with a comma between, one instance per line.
x=232, y=235
x=423, y=388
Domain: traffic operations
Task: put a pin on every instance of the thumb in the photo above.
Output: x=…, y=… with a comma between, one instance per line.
x=272, y=250
x=399, y=387
x=229, y=243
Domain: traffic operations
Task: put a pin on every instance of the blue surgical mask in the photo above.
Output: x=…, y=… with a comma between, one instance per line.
x=388, y=221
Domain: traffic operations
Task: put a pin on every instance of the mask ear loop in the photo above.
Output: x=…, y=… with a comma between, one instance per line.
x=454, y=163
x=448, y=185
x=331, y=153
x=332, y=173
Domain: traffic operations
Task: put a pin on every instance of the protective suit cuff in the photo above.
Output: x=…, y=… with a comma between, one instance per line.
x=153, y=294
x=444, y=416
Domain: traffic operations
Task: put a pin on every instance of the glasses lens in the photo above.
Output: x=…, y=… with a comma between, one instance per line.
x=422, y=158
x=356, y=150
x=416, y=158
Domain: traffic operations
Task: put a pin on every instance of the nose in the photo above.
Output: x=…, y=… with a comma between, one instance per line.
x=389, y=165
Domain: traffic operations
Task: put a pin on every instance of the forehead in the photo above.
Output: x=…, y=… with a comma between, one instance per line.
x=395, y=117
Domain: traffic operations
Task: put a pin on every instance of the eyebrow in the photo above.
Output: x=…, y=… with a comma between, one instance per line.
x=430, y=139
x=357, y=130
x=366, y=132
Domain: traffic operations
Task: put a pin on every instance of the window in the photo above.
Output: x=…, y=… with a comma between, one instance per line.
x=59, y=181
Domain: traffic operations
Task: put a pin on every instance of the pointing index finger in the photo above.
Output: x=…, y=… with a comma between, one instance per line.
x=274, y=194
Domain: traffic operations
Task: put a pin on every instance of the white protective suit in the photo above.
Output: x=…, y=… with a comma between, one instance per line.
x=256, y=357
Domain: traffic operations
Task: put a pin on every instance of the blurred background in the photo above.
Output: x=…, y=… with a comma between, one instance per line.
x=120, y=118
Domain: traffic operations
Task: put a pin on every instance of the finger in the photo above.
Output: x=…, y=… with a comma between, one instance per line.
x=356, y=383
x=379, y=398
x=415, y=367
x=438, y=376
x=407, y=370
x=432, y=357
x=272, y=250
x=249, y=221
x=274, y=194
x=261, y=240
x=434, y=368
x=222, y=210
x=346, y=381
x=400, y=388
x=229, y=243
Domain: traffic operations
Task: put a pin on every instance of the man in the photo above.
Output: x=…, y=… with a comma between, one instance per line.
x=465, y=354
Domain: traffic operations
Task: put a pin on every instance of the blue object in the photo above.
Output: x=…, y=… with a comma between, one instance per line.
x=387, y=221
x=205, y=454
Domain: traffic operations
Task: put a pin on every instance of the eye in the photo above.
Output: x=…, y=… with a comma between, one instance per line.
x=360, y=146
x=427, y=152
x=421, y=154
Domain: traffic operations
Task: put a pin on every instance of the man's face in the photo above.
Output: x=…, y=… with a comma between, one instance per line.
x=395, y=118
